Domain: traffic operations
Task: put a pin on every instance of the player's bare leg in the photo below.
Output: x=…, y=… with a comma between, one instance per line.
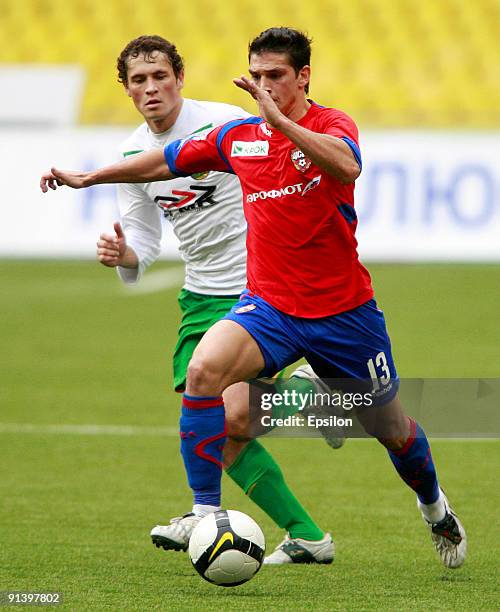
x=410, y=454
x=226, y=354
x=250, y=465
x=387, y=423
x=236, y=402
x=254, y=470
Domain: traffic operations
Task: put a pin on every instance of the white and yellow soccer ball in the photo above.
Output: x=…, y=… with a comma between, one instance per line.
x=227, y=548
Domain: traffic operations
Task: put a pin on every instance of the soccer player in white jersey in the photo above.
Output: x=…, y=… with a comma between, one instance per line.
x=207, y=217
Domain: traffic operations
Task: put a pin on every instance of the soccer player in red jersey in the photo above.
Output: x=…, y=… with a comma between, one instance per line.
x=308, y=294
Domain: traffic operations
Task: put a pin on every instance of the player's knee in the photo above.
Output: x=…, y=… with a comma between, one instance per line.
x=202, y=377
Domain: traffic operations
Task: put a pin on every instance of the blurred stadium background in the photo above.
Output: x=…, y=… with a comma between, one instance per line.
x=391, y=63
x=419, y=78
x=85, y=368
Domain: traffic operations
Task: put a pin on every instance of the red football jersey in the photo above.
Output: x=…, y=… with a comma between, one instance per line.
x=301, y=243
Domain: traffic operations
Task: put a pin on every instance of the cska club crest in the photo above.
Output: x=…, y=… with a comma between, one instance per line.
x=299, y=160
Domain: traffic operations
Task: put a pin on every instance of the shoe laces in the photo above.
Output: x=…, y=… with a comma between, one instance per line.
x=176, y=519
x=448, y=530
x=287, y=540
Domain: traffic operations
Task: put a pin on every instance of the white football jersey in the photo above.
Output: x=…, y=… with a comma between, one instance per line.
x=205, y=210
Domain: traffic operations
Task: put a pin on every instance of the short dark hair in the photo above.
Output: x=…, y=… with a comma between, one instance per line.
x=284, y=40
x=147, y=46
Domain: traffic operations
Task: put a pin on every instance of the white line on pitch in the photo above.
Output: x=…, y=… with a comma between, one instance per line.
x=88, y=430
x=138, y=430
x=157, y=281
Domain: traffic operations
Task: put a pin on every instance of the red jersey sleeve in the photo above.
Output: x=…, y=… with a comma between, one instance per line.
x=187, y=156
x=339, y=124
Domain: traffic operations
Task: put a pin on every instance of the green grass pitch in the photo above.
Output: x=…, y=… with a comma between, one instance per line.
x=75, y=510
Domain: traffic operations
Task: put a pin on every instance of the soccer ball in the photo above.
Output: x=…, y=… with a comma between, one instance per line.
x=227, y=548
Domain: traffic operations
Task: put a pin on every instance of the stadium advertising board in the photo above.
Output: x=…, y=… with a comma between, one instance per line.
x=422, y=196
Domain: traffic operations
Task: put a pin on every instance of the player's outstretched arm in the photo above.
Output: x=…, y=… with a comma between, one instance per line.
x=143, y=168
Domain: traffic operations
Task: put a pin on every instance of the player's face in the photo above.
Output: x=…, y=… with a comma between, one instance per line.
x=273, y=72
x=155, y=90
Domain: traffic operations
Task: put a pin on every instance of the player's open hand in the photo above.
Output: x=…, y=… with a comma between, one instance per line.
x=111, y=249
x=268, y=109
x=55, y=178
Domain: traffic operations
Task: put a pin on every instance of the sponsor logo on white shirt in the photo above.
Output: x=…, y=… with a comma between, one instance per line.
x=199, y=176
x=258, y=148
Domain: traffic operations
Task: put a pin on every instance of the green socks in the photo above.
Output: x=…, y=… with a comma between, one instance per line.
x=261, y=478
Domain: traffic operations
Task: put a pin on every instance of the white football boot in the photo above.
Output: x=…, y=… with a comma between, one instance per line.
x=176, y=535
x=297, y=550
x=449, y=537
x=334, y=436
